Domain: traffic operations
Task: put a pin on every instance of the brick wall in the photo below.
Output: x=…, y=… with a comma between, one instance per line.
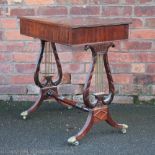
x=132, y=61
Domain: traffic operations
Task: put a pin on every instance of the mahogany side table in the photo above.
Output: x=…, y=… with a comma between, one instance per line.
x=96, y=34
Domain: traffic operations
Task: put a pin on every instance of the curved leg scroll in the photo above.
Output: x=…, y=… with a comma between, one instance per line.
x=114, y=124
x=95, y=115
x=35, y=106
x=89, y=123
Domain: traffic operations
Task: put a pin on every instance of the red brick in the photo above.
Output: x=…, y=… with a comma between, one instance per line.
x=66, y=79
x=146, y=57
x=122, y=78
x=150, y=68
x=143, y=34
x=6, y=68
x=32, y=47
x=118, y=57
x=73, y=68
x=8, y=23
x=87, y=10
x=73, y=2
x=146, y=90
x=4, y=80
x=81, y=56
x=39, y=2
x=145, y=1
x=22, y=79
x=150, y=22
x=153, y=45
x=20, y=49
x=32, y=89
x=78, y=78
x=4, y=57
x=87, y=67
x=25, y=57
x=117, y=45
x=3, y=47
x=137, y=68
x=143, y=79
x=14, y=46
x=136, y=23
x=96, y=2
x=3, y=10
x=22, y=12
x=144, y=10
x=15, y=35
x=3, y=2
x=128, y=2
x=1, y=35
x=52, y=10
x=25, y=68
x=109, y=1
x=137, y=45
x=65, y=56
x=13, y=90
x=116, y=11
x=120, y=68
x=70, y=89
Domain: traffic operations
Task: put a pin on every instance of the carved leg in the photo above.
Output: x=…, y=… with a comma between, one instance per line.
x=114, y=124
x=35, y=106
x=94, y=116
x=45, y=93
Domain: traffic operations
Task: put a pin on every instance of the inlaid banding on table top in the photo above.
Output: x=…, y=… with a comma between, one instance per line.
x=72, y=30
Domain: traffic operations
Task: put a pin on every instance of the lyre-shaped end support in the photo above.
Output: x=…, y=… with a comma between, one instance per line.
x=99, y=51
x=48, y=47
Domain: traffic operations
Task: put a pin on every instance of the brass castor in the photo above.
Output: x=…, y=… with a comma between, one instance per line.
x=73, y=141
x=24, y=114
x=124, y=128
x=69, y=107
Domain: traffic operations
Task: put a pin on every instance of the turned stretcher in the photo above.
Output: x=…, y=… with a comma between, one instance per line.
x=95, y=34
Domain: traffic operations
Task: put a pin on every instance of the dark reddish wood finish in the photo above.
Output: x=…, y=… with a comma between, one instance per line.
x=96, y=115
x=76, y=31
x=103, y=49
x=67, y=30
x=49, y=82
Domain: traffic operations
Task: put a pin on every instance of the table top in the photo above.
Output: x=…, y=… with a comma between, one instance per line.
x=74, y=30
x=77, y=22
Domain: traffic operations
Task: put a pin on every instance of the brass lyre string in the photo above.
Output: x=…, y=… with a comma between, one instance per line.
x=45, y=59
x=96, y=75
x=102, y=67
x=99, y=71
x=48, y=59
